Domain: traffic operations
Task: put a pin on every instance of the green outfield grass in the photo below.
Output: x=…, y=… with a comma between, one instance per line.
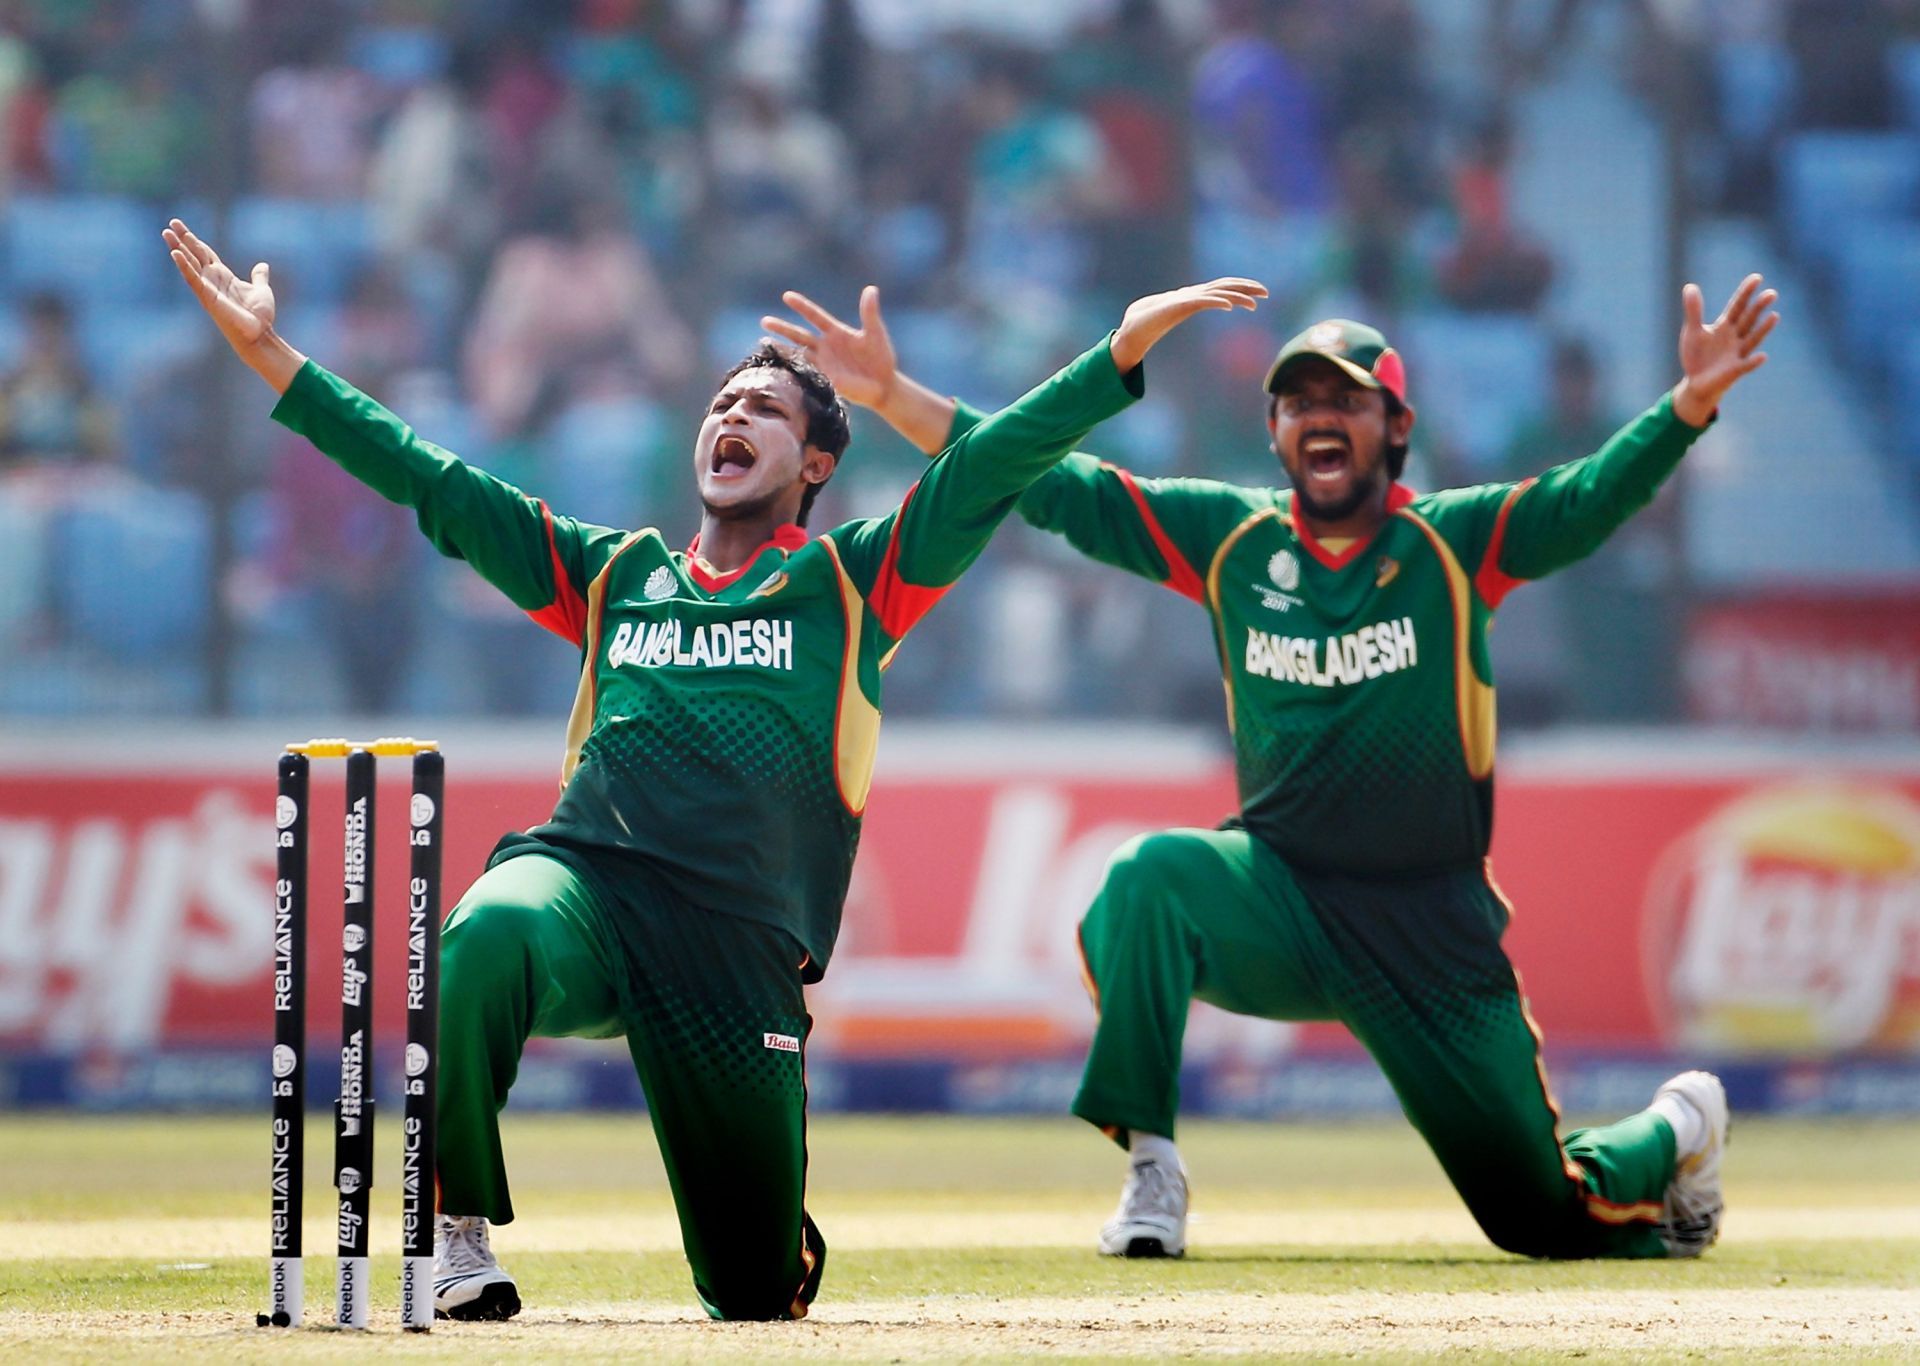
x=137, y=1237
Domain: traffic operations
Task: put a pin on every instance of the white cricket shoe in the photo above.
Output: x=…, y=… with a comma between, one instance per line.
x=467, y=1282
x=1152, y=1218
x=1694, y=1203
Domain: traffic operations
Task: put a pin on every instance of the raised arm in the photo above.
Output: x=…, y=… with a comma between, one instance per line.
x=905, y=560
x=1162, y=529
x=542, y=563
x=1535, y=527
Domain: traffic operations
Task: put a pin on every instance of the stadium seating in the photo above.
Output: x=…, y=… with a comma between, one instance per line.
x=135, y=571
x=1830, y=180
x=1476, y=379
x=94, y=249
x=23, y=569
x=1876, y=269
x=316, y=247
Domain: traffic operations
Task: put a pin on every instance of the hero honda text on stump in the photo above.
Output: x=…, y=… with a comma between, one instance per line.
x=354, y=1110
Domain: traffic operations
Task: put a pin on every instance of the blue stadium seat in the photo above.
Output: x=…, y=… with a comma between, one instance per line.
x=23, y=568
x=1877, y=269
x=1903, y=65
x=1831, y=180
x=135, y=565
x=121, y=345
x=1756, y=86
x=1476, y=379
x=1906, y=393
x=318, y=247
x=95, y=249
x=603, y=458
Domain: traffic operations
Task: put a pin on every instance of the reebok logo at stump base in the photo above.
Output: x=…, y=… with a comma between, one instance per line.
x=783, y=1043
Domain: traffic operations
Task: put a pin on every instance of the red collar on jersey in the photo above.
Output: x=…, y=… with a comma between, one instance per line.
x=789, y=538
x=1398, y=497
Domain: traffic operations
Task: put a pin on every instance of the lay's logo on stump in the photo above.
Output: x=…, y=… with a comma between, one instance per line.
x=1789, y=922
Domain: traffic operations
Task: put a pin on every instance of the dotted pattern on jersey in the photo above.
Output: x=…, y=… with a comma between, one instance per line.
x=718, y=1036
x=716, y=735
x=1359, y=786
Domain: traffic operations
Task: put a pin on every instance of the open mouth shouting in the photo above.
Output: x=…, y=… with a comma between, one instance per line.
x=1326, y=458
x=733, y=457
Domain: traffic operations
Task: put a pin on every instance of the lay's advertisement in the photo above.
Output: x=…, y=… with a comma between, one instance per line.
x=1706, y=907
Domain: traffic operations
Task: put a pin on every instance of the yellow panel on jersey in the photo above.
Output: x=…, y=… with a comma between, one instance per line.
x=1473, y=697
x=856, y=721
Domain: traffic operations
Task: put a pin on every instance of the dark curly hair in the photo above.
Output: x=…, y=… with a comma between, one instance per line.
x=829, y=426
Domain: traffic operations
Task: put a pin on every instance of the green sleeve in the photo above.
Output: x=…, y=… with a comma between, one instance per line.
x=1166, y=530
x=1515, y=532
x=902, y=563
x=542, y=563
x=1163, y=529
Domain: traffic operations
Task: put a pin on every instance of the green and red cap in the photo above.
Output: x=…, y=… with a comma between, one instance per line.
x=1356, y=348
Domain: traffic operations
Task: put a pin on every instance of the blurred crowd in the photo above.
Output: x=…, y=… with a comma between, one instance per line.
x=539, y=230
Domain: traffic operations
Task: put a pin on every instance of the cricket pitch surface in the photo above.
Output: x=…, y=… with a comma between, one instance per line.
x=135, y=1237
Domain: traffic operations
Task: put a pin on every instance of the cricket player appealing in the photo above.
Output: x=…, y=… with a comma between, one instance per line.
x=1351, y=616
x=718, y=757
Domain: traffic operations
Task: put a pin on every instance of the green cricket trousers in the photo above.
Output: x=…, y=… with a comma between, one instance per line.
x=1415, y=969
x=714, y=1019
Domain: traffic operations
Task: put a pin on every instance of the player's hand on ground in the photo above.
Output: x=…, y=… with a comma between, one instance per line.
x=1149, y=319
x=1716, y=355
x=859, y=360
x=243, y=310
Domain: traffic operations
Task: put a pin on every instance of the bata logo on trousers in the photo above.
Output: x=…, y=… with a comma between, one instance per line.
x=784, y=1043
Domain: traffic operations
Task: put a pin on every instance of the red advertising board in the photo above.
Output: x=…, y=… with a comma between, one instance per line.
x=1808, y=662
x=1764, y=908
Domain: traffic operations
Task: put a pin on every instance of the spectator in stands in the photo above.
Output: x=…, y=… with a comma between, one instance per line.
x=49, y=413
x=1617, y=606
x=1258, y=118
x=1841, y=47
x=1492, y=265
x=780, y=189
x=312, y=125
x=1039, y=175
x=128, y=129
x=572, y=304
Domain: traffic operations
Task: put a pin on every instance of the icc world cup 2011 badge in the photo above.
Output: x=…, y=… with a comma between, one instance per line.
x=1284, y=570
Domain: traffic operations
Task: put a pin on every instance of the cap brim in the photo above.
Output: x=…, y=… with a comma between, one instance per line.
x=1285, y=363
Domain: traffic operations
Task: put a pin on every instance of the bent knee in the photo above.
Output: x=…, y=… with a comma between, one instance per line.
x=752, y=1303
x=488, y=936
x=1154, y=861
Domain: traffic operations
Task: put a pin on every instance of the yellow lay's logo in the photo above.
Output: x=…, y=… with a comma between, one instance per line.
x=1790, y=922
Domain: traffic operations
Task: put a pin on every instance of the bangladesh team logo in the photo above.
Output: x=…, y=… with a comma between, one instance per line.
x=1284, y=570
x=660, y=584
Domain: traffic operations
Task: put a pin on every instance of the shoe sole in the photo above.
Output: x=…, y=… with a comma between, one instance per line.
x=1143, y=1247
x=495, y=1303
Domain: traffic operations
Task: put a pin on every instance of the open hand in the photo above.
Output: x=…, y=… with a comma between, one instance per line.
x=859, y=360
x=1715, y=355
x=1149, y=319
x=241, y=309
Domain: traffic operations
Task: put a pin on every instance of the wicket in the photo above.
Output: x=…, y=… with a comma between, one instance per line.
x=353, y=1112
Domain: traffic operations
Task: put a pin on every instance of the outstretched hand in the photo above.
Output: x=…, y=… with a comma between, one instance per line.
x=859, y=360
x=1149, y=319
x=1714, y=356
x=243, y=310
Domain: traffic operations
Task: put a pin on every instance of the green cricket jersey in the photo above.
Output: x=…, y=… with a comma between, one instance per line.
x=1358, y=687
x=724, y=730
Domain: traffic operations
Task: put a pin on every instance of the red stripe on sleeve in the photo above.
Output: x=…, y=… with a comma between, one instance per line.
x=899, y=605
x=1181, y=577
x=566, y=615
x=1493, y=583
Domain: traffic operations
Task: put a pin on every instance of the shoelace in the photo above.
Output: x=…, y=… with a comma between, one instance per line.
x=466, y=1247
x=1150, y=1190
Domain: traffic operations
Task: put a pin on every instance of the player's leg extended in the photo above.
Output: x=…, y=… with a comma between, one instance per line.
x=1427, y=988
x=717, y=1035
x=1184, y=913
x=519, y=956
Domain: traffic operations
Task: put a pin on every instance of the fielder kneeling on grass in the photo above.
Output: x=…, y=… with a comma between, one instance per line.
x=1350, y=616
x=692, y=876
